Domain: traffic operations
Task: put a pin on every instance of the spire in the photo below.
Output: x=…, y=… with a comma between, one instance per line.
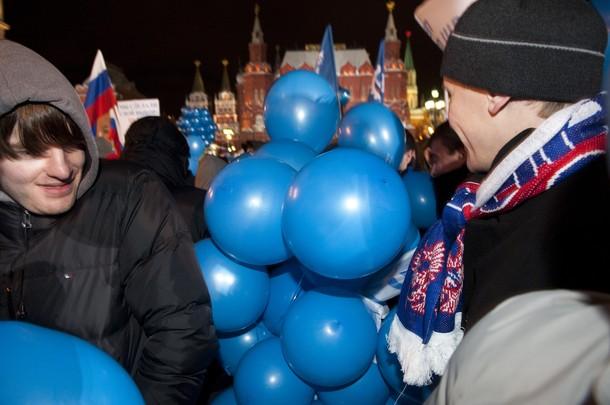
x=408, y=54
x=225, y=84
x=198, y=81
x=390, y=28
x=257, y=32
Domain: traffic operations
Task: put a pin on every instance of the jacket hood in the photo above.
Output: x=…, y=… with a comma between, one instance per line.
x=26, y=76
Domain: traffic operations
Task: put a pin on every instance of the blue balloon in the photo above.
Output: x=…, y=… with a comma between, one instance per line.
x=43, y=366
x=239, y=293
x=294, y=154
x=243, y=210
x=264, y=378
x=232, y=347
x=287, y=283
x=315, y=280
x=421, y=195
x=346, y=214
x=226, y=397
x=328, y=337
x=370, y=389
x=374, y=128
x=344, y=96
x=388, y=362
x=302, y=106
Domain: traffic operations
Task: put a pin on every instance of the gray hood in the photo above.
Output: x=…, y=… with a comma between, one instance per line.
x=27, y=76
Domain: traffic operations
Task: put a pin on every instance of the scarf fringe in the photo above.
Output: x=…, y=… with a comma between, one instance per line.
x=418, y=361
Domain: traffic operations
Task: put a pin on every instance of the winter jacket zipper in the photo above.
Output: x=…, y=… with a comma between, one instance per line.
x=26, y=224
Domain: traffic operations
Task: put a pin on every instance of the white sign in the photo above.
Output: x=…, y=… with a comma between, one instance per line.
x=132, y=110
x=438, y=18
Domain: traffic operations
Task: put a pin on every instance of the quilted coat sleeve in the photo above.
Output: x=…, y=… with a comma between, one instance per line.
x=166, y=292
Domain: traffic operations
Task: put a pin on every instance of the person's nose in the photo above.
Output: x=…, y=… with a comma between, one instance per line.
x=58, y=165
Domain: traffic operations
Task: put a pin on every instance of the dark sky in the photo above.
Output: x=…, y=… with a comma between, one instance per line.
x=155, y=42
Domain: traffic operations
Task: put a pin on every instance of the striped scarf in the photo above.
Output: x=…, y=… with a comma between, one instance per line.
x=427, y=326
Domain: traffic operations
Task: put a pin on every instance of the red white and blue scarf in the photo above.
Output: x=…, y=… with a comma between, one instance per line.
x=427, y=327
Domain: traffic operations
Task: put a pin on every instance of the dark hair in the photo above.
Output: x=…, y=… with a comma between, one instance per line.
x=445, y=134
x=39, y=126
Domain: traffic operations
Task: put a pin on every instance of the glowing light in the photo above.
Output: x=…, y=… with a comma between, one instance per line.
x=429, y=105
x=385, y=134
x=435, y=93
x=351, y=203
x=255, y=202
x=301, y=115
x=440, y=104
x=372, y=140
x=223, y=281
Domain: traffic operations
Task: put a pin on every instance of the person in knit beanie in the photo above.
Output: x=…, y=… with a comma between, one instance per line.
x=524, y=80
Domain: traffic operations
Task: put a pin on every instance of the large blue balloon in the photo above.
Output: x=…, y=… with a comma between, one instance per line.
x=232, y=347
x=226, y=397
x=302, y=106
x=239, y=293
x=346, y=214
x=287, y=283
x=43, y=366
x=421, y=195
x=374, y=128
x=370, y=389
x=264, y=378
x=328, y=337
x=243, y=210
x=294, y=154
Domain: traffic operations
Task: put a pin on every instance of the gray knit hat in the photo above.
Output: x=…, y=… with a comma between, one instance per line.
x=26, y=76
x=551, y=50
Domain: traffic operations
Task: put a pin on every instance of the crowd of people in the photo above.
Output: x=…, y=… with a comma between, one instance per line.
x=505, y=296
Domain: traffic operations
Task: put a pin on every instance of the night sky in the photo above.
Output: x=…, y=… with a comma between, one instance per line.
x=155, y=42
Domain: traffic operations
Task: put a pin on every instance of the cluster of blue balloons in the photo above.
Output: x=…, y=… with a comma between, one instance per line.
x=297, y=235
x=200, y=130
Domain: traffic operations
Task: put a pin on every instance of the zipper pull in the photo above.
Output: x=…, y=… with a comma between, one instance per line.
x=26, y=220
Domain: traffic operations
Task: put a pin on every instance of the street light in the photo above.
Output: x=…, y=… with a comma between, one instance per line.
x=435, y=106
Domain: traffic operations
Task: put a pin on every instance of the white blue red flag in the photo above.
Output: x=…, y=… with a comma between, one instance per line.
x=101, y=105
x=325, y=65
x=378, y=85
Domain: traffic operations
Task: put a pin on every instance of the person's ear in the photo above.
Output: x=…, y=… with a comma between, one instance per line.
x=495, y=103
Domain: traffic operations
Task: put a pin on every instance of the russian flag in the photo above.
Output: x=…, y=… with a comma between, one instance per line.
x=378, y=85
x=101, y=105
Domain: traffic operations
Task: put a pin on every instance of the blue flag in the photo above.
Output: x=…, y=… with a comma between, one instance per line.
x=325, y=65
x=378, y=85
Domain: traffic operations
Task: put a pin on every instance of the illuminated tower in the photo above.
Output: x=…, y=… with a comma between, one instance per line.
x=197, y=98
x=253, y=85
x=225, y=113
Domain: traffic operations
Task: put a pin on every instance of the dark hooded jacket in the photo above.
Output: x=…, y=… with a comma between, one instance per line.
x=156, y=143
x=118, y=269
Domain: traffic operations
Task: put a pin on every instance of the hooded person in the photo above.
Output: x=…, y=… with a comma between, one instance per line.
x=157, y=144
x=94, y=250
x=523, y=78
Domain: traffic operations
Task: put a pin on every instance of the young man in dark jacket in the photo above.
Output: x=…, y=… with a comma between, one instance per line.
x=523, y=77
x=98, y=252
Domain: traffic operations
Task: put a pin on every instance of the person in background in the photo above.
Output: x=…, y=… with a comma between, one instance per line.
x=156, y=144
x=446, y=157
x=94, y=248
x=209, y=167
x=409, y=158
x=524, y=80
